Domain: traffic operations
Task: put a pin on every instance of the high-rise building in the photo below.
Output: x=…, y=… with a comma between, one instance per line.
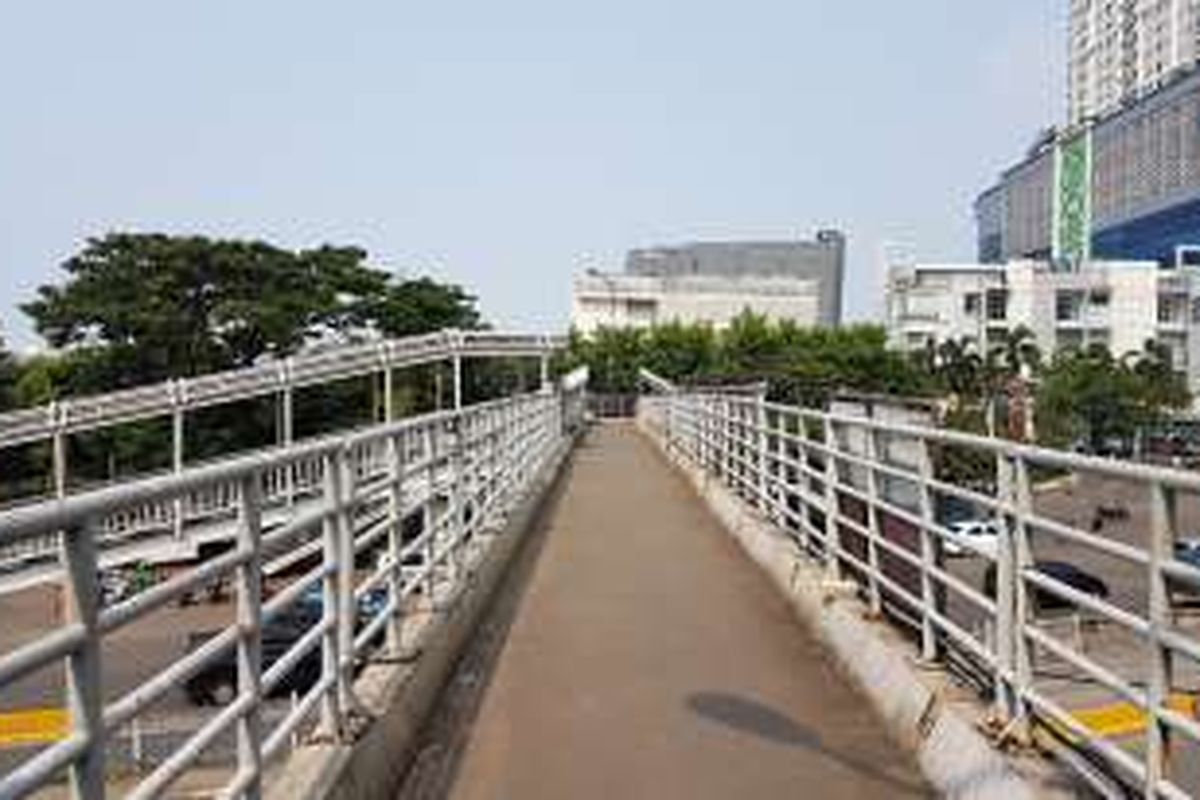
x=713, y=282
x=1120, y=49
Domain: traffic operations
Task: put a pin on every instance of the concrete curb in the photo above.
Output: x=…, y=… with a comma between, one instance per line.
x=954, y=757
x=405, y=696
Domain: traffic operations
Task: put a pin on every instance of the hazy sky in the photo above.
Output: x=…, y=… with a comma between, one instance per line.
x=507, y=145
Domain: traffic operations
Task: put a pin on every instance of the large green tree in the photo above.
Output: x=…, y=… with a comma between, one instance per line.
x=139, y=308
x=153, y=306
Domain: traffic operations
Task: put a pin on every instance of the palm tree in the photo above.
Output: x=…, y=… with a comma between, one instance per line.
x=959, y=366
x=1009, y=367
x=1018, y=353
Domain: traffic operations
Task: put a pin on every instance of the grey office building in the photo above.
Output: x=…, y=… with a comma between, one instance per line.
x=822, y=260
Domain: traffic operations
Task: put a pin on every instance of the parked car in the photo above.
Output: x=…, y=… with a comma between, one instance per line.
x=216, y=684
x=1183, y=591
x=370, y=604
x=1188, y=551
x=972, y=537
x=1061, y=571
x=114, y=587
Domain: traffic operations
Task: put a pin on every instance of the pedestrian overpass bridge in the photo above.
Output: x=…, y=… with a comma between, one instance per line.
x=724, y=597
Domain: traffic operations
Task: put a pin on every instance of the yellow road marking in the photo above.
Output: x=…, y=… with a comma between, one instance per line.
x=1123, y=719
x=33, y=726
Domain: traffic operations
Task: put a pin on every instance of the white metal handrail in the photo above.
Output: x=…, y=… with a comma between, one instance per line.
x=859, y=496
x=450, y=475
x=87, y=413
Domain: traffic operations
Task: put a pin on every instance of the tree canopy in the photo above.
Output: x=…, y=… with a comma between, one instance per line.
x=144, y=307
x=1089, y=397
x=9, y=375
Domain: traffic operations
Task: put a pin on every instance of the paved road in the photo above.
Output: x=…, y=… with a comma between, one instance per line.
x=648, y=658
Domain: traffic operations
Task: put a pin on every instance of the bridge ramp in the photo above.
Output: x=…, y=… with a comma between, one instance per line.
x=648, y=658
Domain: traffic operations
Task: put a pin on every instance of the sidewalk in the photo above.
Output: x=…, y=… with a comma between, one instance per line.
x=649, y=659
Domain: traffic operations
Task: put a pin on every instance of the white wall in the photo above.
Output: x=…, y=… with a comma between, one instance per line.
x=641, y=301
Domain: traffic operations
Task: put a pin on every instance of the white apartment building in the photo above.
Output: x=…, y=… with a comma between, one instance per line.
x=1119, y=304
x=621, y=300
x=1121, y=48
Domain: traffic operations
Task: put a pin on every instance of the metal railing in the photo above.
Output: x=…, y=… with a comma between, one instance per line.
x=449, y=478
x=863, y=498
x=177, y=523
x=21, y=564
x=94, y=412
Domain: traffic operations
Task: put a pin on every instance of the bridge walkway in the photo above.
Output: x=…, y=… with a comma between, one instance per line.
x=648, y=658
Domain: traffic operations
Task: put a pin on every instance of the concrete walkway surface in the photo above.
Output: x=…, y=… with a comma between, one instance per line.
x=649, y=659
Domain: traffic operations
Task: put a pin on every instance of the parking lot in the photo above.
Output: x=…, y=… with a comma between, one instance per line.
x=31, y=711
x=1075, y=501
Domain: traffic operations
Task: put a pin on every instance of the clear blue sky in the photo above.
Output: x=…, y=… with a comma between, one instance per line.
x=507, y=145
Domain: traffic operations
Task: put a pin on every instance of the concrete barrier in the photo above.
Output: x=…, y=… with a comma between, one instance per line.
x=400, y=698
x=952, y=753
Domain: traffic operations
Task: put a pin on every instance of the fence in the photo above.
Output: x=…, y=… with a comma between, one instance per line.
x=866, y=499
x=418, y=495
x=22, y=563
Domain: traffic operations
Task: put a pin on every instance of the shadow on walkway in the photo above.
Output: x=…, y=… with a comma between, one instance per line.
x=760, y=720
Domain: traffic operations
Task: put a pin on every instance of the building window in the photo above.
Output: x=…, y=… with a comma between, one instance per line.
x=1100, y=297
x=997, y=304
x=1166, y=310
x=1066, y=305
x=971, y=303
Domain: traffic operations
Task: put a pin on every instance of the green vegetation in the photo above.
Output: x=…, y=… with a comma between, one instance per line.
x=140, y=308
x=1086, y=397
x=802, y=365
x=1090, y=397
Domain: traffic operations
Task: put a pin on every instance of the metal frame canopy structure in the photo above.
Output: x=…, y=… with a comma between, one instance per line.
x=60, y=419
x=307, y=369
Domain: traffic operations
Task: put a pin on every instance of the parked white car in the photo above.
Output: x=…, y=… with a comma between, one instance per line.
x=972, y=537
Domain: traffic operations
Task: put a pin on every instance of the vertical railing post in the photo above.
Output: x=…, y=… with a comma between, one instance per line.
x=874, y=533
x=85, y=698
x=331, y=710
x=761, y=439
x=178, y=445
x=429, y=517
x=286, y=432
x=491, y=424
x=1163, y=524
x=395, y=626
x=1006, y=579
x=346, y=606
x=249, y=647
x=833, y=546
x=1022, y=555
x=458, y=379
x=58, y=453
x=456, y=509
x=930, y=547
x=389, y=393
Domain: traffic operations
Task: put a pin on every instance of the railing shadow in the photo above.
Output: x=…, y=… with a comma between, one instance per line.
x=757, y=719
